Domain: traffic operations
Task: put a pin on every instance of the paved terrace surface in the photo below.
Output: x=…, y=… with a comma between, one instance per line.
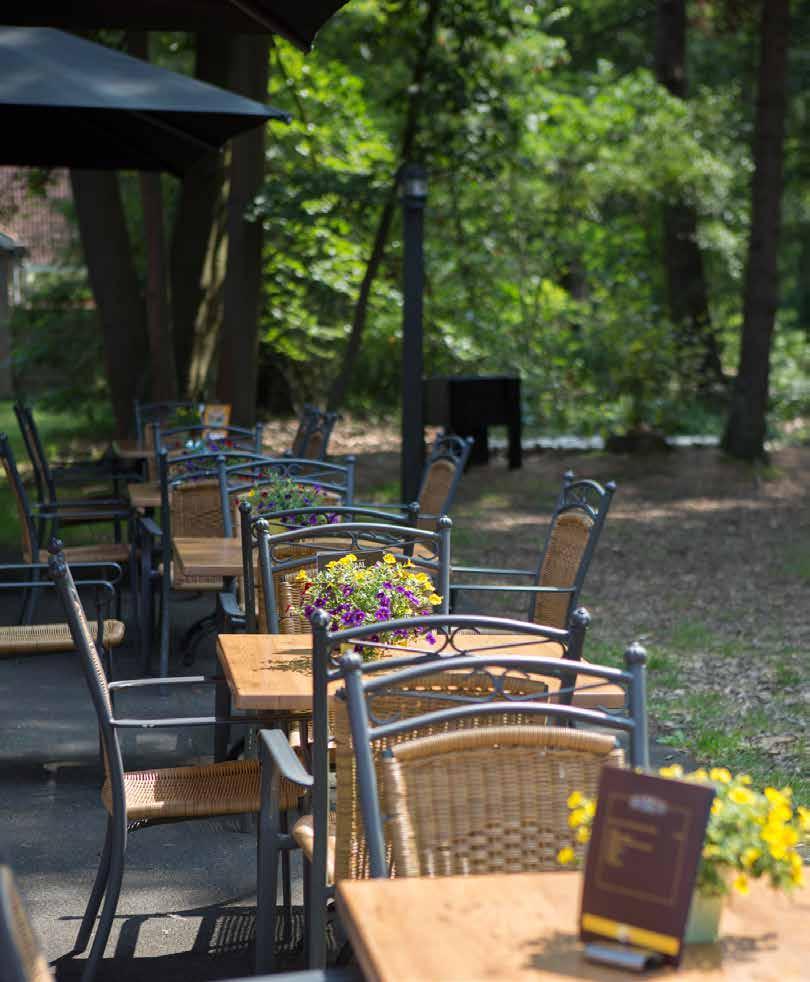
x=187, y=905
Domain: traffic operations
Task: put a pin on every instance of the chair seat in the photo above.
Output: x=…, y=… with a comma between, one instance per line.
x=230, y=788
x=101, y=552
x=304, y=834
x=30, y=638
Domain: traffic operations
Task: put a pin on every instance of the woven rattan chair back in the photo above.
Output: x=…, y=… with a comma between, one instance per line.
x=28, y=531
x=488, y=800
x=576, y=524
x=21, y=956
x=351, y=854
x=289, y=592
x=445, y=465
x=197, y=509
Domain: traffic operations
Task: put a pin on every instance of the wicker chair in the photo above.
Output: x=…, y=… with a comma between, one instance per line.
x=35, y=639
x=332, y=848
x=576, y=524
x=311, y=440
x=497, y=792
x=440, y=478
x=139, y=798
x=30, y=521
x=21, y=956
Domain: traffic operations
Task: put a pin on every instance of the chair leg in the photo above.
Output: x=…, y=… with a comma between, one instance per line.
x=145, y=604
x=286, y=882
x=267, y=869
x=99, y=886
x=116, y=873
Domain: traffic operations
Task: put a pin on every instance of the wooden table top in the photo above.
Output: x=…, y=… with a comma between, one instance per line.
x=524, y=926
x=269, y=671
x=145, y=494
x=209, y=556
x=130, y=450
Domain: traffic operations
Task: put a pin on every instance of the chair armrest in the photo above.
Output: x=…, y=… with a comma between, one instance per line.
x=177, y=721
x=150, y=526
x=171, y=680
x=492, y=571
x=230, y=609
x=275, y=751
x=102, y=568
x=503, y=588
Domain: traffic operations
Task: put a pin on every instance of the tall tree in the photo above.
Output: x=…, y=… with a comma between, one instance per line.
x=687, y=293
x=744, y=436
x=116, y=288
x=237, y=372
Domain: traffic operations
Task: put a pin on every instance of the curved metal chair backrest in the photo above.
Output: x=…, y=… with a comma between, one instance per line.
x=576, y=524
x=368, y=686
x=28, y=526
x=335, y=479
x=21, y=956
x=46, y=489
x=445, y=464
x=311, y=440
x=229, y=438
x=282, y=556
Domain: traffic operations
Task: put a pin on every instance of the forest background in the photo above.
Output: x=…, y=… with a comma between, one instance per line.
x=606, y=181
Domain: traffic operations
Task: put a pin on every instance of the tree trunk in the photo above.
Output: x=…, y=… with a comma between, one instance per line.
x=340, y=386
x=115, y=286
x=158, y=313
x=197, y=263
x=239, y=341
x=745, y=430
x=687, y=293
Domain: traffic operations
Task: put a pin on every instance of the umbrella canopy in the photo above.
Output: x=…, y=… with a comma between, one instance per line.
x=65, y=101
x=297, y=20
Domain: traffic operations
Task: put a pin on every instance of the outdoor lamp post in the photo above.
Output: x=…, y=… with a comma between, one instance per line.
x=413, y=184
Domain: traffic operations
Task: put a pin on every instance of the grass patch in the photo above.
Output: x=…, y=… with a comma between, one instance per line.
x=797, y=564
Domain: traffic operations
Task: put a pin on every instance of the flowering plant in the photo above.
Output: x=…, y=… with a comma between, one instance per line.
x=278, y=493
x=750, y=833
x=183, y=416
x=354, y=594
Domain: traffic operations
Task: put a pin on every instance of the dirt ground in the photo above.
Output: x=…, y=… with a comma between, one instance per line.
x=703, y=559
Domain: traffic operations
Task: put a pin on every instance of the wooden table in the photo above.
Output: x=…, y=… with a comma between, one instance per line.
x=524, y=926
x=209, y=556
x=145, y=495
x=268, y=671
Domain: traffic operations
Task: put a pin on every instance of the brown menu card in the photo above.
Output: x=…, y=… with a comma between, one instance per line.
x=642, y=860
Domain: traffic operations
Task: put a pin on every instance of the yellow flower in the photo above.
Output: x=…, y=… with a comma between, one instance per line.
x=434, y=599
x=348, y=559
x=717, y=806
x=710, y=851
x=700, y=775
x=741, y=796
x=780, y=813
x=750, y=856
x=576, y=818
x=796, y=869
x=388, y=559
x=590, y=809
x=583, y=834
x=335, y=562
x=720, y=774
x=775, y=797
x=744, y=779
x=674, y=770
x=565, y=856
x=740, y=884
x=303, y=575
x=804, y=818
x=575, y=799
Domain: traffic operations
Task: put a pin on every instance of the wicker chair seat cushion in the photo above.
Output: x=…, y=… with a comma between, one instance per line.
x=29, y=638
x=231, y=788
x=488, y=800
x=304, y=834
x=205, y=584
x=101, y=552
x=567, y=543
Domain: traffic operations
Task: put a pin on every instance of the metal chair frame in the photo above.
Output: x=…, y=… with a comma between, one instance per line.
x=337, y=478
x=107, y=884
x=582, y=496
x=154, y=412
x=327, y=668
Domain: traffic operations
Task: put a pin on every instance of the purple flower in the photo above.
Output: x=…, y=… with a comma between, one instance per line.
x=430, y=637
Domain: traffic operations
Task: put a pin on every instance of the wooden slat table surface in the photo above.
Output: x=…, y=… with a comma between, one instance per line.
x=524, y=926
x=268, y=671
x=209, y=556
x=145, y=494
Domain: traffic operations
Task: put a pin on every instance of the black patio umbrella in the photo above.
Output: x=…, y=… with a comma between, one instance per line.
x=297, y=20
x=65, y=101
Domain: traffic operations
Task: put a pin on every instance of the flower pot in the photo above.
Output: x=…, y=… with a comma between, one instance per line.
x=703, y=923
